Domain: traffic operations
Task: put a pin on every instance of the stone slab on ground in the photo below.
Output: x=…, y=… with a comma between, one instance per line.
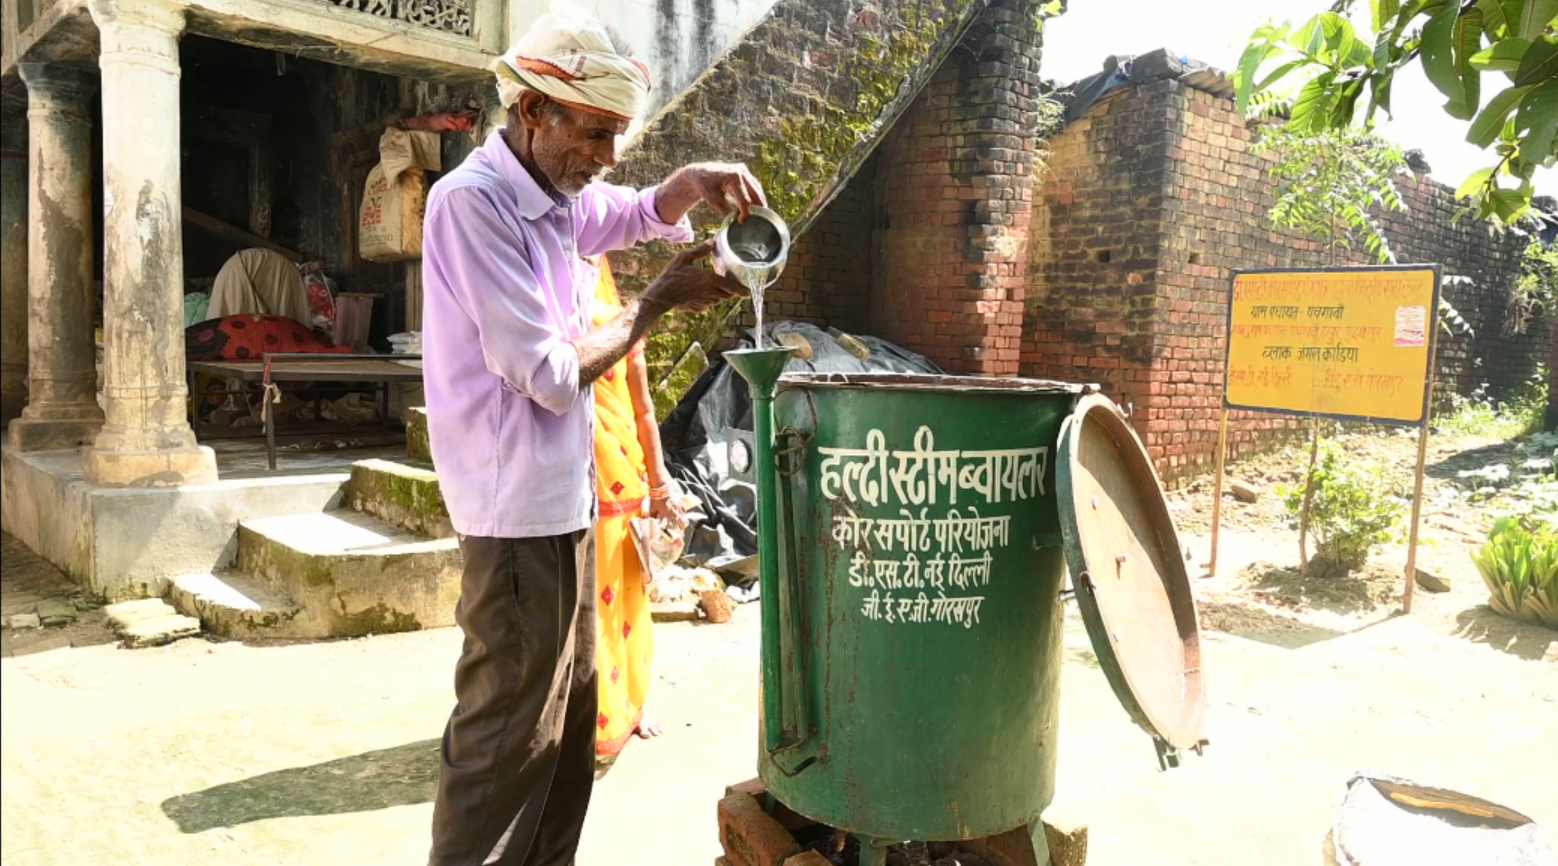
x=674, y=611
x=1244, y=491
x=150, y=622
x=56, y=611
x=25, y=620
x=1430, y=581
x=28, y=579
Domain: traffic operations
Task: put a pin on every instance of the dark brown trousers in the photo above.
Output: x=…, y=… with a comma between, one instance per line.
x=518, y=756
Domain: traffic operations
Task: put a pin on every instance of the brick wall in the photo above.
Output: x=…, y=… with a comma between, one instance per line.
x=926, y=245
x=1150, y=201
x=803, y=98
x=1091, y=300
x=1552, y=377
x=1490, y=356
x=953, y=191
x=827, y=280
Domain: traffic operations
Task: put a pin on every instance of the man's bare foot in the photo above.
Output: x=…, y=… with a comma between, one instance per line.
x=649, y=727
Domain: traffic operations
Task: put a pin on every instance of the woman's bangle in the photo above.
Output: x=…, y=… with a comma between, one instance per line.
x=660, y=493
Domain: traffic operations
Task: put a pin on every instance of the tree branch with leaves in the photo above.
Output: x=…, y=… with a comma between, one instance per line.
x=1347, y=79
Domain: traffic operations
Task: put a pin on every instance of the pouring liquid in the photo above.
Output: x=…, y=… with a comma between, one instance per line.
x=756, y=278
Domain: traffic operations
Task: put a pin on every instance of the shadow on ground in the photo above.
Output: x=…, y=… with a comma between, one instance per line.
x=1449, y=468
x=403, y=776
x=1482, y=624
x=1252, y=623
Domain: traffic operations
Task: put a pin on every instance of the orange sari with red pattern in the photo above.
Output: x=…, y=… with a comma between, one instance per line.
x=624, y=645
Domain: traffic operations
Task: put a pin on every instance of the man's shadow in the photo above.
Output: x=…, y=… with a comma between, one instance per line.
x=403, y=776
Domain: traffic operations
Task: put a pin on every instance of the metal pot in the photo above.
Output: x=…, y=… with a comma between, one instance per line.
x=754, y=252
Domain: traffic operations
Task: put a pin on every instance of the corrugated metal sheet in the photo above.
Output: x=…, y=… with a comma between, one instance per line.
x=1213, y=81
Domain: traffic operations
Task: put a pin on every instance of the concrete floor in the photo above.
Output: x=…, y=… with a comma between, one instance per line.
x=304, y=455
x=205, y=753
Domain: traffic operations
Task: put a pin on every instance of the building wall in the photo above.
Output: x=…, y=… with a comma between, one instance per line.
x=1091, y=304
x=1160, y=178
x=323, y=123
x=954, y=185
x=925, y=245
x=676, y=39
x=1491, y=356
x=827, y=279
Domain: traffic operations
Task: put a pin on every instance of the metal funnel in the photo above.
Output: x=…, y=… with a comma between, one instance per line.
x=761, y=368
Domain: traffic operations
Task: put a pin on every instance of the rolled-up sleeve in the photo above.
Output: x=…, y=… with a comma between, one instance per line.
x=611, y=217
x=481, y=262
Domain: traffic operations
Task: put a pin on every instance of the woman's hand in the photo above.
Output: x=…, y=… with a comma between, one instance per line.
x=669, y=510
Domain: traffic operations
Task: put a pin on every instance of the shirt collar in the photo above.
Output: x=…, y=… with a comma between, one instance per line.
x=533, y=202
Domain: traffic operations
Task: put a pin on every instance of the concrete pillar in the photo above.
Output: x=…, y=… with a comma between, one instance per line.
x=62, y=410
x=13, y=265
x=146, y=440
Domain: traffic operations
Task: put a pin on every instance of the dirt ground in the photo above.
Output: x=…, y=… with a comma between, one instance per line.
x=325, y=753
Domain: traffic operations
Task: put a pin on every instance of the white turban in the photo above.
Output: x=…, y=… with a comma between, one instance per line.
x=570, y=58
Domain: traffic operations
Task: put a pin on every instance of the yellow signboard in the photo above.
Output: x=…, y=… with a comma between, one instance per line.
x=1346, y=342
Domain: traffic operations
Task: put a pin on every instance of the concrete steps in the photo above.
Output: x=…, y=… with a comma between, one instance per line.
x=235, y=605
x=386, y=561
x=351, y=573
x=401, y=494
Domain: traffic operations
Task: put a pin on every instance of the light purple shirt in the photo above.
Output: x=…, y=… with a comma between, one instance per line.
x=511, y=426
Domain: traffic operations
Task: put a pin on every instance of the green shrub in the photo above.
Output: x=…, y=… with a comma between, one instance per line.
x=1519, y=563
x=1351, y=511
x=1519, y=413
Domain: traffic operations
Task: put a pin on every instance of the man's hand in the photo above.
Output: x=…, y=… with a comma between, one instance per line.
x=724, y=186
x=684, y=285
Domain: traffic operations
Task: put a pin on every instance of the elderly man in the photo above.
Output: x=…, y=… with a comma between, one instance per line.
x=510, y=356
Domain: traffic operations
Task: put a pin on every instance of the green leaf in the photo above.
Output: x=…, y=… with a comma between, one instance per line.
x=1540, y=62
x=1308, y=38
x=1467, y=41
x=1311, y=110
x=1509, y=204
x=1538, y=119
x=1504, y=56
x=1439, y=51
x=1485, y=129
x=1534, y=18
x=1496, y=16
x=1493, y=20
x=1338, y=33
x=1346, y=104
x=1474, y=183
x=1255, y=54
x=1279, y=73
x=1381, y=12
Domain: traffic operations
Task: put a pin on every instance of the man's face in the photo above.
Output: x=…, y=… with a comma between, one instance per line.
x=572, y=147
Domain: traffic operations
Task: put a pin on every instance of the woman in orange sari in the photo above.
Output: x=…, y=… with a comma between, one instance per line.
x=630, y=474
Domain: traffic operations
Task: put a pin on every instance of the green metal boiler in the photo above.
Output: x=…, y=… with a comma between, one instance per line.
x=915, y=534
